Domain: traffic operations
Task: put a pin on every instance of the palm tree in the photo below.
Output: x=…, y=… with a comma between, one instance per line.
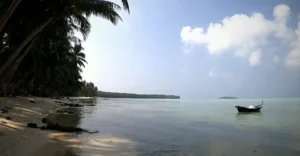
x=78, y=55
x=73, y=12
x=4, y=18
x=76, y=11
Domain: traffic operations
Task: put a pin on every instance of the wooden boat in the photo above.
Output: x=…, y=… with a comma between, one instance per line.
x=250, y=108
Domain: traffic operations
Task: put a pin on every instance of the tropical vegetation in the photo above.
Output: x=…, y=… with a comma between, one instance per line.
x=88, y=89
x=138, y=96
x=39, y=52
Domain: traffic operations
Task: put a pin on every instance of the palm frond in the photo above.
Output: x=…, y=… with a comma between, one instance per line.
x=84, y=24
x=101, y=8
x=126, y=5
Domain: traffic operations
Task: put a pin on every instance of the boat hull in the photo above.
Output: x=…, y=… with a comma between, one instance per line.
x=244, y=109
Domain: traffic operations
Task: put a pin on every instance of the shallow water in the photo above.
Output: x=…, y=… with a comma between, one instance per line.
x=188, y=128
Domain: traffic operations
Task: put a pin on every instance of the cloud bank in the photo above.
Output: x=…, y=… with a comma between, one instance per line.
x=245, y=35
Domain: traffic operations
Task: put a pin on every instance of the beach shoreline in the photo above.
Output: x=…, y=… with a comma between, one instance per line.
x=16, y=139
x=19, y=140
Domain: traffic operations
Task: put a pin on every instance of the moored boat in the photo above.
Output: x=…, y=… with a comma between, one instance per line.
x=250, y=108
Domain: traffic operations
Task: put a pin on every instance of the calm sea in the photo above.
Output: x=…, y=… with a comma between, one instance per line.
x=191, y=128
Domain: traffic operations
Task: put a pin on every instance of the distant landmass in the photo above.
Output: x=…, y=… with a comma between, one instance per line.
x=228, y=97
x=138, y=96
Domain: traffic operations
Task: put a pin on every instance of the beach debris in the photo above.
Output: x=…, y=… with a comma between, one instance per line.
x=65, y=111
x=58, y=127
x=57, y=98
x=31, y=100
x=32, y=125
x=7, y=108
x=4, y=110
x=72, y=105
x=8, y=118
x=43, y=128
x=90, y=105
x=3, y=122
x=44, y=120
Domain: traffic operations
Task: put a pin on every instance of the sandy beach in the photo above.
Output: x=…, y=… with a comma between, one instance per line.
x=16, y=139
x=19, y=140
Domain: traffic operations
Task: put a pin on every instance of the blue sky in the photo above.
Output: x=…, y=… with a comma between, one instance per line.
x=198, y=49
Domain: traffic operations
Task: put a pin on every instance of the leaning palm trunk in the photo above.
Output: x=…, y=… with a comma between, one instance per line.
x=8, y=13
x=15, y=53
x=7, y=78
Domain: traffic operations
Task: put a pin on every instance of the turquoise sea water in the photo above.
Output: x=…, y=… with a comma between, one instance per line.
x=191, y=128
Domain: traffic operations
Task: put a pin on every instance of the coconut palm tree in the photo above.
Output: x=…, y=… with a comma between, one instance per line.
x=6, y=15
x=76, y=11
x=78, y=55
x=29, y=26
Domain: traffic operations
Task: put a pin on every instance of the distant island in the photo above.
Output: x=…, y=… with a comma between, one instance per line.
x=138, y=96
x=228, y=97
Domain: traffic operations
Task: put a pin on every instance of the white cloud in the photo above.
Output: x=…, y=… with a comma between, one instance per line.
x=276, y=59
x=282, y=12
x=254, y=58
x=293, y=58
x=243, y=34
x=237, y=32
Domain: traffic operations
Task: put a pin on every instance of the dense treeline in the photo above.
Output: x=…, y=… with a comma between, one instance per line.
x=88, y=89
x=39, y=53
x=140, y=96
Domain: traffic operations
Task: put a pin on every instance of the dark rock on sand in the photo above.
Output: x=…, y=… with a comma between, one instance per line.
x=72, y=105
x=4, y=110
x=32, y=125
x=44, y=120
x=31, y=101
x=8, y=118
x=90, y=105
x=65, y=111
x=43, y=128
x=70, y=112
x=59, y=111
x=3, y=122
x=7, y=108
x=58, y=127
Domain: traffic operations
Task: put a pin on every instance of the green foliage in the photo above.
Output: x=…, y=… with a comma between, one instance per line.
x=51, y=61
x=138, y=96
x=88, y=89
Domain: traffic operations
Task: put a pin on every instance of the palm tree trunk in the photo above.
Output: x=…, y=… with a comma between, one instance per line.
x=19, y=60
x=8, y=13
x=15, y=53
x=7, y=78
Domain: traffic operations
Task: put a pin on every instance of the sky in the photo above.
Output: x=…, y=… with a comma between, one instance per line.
x=198, y=49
